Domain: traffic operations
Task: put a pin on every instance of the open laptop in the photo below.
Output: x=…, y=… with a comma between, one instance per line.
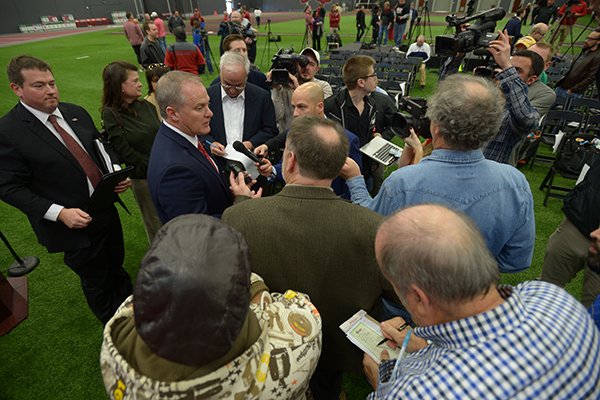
x=382, y=151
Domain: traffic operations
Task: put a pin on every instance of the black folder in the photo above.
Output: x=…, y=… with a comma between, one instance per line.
x=104, y=195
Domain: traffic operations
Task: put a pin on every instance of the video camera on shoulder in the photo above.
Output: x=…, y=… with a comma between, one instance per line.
x=413, y=117
x=286, y=61
x=476, y=36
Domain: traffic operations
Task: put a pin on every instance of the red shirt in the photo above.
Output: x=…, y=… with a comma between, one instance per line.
x=334, y=20
x=580, y=8
x=187, y=57
x=160, y=25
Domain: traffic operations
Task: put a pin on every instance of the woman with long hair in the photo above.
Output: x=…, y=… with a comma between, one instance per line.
x=131, y=124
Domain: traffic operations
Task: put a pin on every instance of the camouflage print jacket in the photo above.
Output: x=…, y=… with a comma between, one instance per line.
x=277, y=366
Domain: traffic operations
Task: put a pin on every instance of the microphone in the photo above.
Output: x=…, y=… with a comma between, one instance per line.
x=239, y=146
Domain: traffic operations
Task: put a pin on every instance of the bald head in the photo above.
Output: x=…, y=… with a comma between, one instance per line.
x=438, y=250
x=538, y=31
x=420, y=40
x=308, y=99
x=235, y=16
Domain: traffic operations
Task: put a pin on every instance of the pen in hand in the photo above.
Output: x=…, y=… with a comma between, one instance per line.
x=400, y=329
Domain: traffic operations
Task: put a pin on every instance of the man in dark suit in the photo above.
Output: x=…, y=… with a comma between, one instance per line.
x=249, y=109
x=513, y=25
x=182, y=176
x=48, y=170
x=312, y=240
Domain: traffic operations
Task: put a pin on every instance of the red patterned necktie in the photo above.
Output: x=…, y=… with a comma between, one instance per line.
x=83, y=158
x=205, y=154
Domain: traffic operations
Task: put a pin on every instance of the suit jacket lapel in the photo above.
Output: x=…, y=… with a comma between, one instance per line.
x=45, y=135
x=86, y=137
x=195, y=153
x=248, y=113
x=219, y=119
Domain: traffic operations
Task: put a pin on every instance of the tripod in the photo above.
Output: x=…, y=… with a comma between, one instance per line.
x=556, y=31
x=270, y=38
x=424, y=21
x=567, y=14
x=210, y=58
x=305, y=38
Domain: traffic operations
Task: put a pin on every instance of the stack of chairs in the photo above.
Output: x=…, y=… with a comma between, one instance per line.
x=580, y=121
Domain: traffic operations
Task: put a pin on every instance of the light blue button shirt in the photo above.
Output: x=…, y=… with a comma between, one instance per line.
x=496, y=196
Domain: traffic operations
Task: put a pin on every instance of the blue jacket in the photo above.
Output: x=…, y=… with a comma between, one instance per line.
x=182, y=181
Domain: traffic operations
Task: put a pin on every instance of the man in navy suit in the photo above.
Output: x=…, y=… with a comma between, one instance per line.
x=48, y=170
x=182, y=176
x=242, y=111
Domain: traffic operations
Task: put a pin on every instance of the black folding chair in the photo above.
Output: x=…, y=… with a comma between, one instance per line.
x=575, y=150
x=555, y=121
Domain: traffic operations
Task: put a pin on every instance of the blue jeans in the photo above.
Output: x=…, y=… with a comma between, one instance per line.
x=383, y=32
x=399, y=32
x=560, y=92
x=163, y=43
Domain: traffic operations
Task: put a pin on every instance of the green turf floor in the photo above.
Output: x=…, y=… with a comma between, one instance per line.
x=54, y=353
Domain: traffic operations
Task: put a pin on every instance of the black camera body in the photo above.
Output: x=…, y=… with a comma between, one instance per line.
x=414, y=117
x=283, y=62
x=237, y=29
x=477, y=35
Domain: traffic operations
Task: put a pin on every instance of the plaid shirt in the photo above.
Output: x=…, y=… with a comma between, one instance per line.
x=520, y=117
x=539, y=344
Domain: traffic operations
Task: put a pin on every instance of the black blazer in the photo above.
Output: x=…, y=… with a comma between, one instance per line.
x=37, y=170
x=182, y=181
x=259, y=116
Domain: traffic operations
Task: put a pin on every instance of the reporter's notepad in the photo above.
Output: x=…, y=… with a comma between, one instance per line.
x=362, y=330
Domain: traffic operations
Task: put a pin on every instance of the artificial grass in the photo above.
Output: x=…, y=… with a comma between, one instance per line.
x=55, y=352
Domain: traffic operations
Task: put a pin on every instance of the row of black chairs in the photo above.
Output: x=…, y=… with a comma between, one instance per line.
x=578, y=123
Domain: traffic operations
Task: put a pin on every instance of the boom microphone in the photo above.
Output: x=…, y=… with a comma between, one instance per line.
x=239, y=146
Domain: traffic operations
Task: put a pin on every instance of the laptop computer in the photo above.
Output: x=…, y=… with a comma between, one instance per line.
x=382, y=151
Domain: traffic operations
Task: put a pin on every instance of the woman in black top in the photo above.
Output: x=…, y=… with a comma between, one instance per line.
x=131, y=124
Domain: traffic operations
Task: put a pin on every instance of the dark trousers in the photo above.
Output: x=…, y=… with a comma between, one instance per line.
x=99, y=266
x=136, y=49
x=316, y=42
x=326, y=384
x=360, y=30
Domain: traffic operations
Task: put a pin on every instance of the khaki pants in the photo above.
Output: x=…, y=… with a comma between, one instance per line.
x=566, y=255
x=422, y=75
x=141, y=193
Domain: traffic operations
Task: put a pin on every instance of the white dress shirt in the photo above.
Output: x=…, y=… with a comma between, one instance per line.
x=55, y=209
x=233, y=116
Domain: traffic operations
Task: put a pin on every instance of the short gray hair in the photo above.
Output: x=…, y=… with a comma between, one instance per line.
x=319, y=155
x=439, y=250
x=467, y=109
x=230, y=58
x=168, y=89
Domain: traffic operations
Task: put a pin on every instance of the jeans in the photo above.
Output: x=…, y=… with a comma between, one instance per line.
x=383, y=33
x=163, y=42
x=398, y=33
x=560, y=92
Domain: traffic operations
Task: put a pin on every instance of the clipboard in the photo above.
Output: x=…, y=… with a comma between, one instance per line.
x=103, y=196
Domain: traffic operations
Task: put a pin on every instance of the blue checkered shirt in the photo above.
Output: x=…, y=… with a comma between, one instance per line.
x=539, y=344
x=519, y=119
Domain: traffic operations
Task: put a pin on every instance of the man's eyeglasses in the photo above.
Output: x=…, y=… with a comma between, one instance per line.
x=368, y=76
x=236, y=87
